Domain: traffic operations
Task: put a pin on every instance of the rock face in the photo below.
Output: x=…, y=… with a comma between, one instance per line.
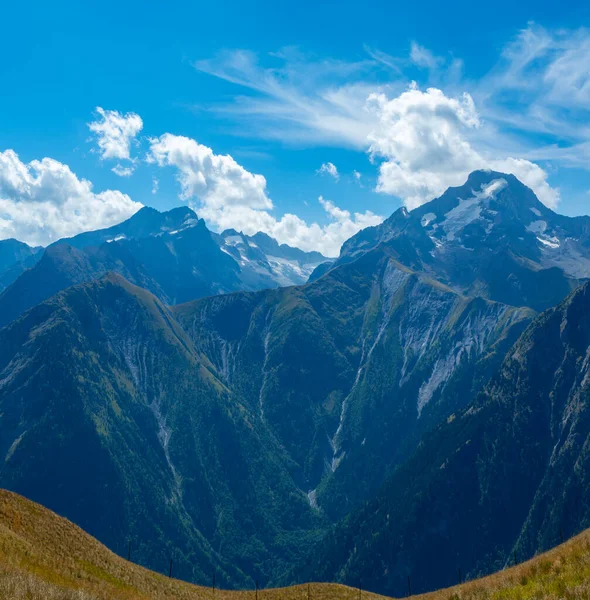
x=490, y=237
x=347, y=372
x=264, y=263
x=507, y=475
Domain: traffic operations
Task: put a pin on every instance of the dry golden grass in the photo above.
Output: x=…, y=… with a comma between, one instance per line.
x=45, y=557
x=559, y=574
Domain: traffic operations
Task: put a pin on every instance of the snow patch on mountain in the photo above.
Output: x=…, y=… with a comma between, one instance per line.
x=459, y=217
x=568, y=256
x=551, y=242
x=472, y=209
x=288, y=270
x=427, y=219
x=491, y=189
x=234, y=240
x=188, y=224
x=539, y=228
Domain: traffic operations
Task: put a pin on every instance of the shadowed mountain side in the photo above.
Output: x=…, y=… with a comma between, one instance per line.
x=171, y=254
x=507, y=474
x=349, y=371
x=111, y=417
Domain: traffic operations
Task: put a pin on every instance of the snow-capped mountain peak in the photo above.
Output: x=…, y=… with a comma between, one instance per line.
x=491, y=237
x=266, y=263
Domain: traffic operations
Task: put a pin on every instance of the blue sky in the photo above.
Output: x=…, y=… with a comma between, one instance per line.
x=240, y=105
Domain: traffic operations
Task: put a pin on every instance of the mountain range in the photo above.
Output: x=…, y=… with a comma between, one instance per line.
x=422, y=397
x=171, y=254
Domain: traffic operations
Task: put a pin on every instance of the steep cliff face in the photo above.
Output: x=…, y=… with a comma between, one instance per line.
x=347, y=372
x=506, y=476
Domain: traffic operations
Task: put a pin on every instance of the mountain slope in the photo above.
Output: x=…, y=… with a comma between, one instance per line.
x=235, y=428
x=15, y=257
x=349, y=371
x=249, y=417
x=102, y=375
x=507, y=474
x=490, y=237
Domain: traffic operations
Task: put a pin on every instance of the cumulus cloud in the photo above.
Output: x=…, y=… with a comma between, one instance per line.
x=329, y=168
x=424, y=139
x=44, y=200
x=218, y=181
x=326, y=239
x=114, y=133
x=228, y=196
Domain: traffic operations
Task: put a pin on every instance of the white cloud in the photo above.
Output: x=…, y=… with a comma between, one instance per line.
x=329, y=168
x=326, y=239
x=533, y=105
x=531, y=175
x=155, y=185
x=228, y=196
x=122, y=171
x=541, y=85
x=44, y=200
x=423, y=138
x=301, y=101
x=114, y=134
x=357, y=176
x=217, y=180
x=422, y=57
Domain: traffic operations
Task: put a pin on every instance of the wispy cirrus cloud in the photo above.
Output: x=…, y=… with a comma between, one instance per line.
x=532, y=107
x=296, y=98
x=423, y=57
x=540, y=89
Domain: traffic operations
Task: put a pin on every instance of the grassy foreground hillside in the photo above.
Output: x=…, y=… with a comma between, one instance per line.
x=46, y=557
x=43, y=556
